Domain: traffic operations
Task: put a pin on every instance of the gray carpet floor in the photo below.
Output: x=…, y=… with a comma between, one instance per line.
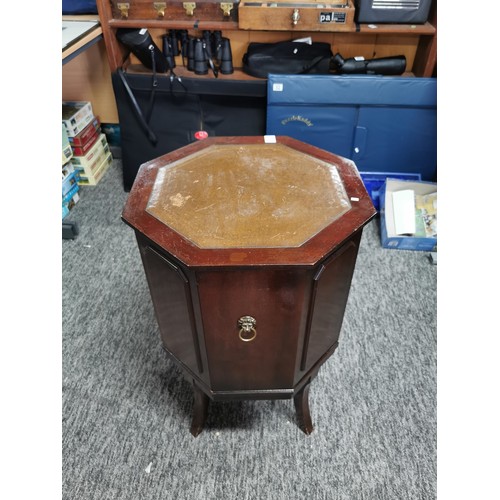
x=127, y=409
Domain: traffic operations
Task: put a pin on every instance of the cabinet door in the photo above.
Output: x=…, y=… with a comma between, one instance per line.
x=275, y=299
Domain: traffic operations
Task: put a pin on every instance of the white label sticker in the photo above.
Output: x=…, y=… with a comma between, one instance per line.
x=270, y=139
x=277, y=87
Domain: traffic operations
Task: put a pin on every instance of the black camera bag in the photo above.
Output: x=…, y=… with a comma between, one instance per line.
x=292, y=58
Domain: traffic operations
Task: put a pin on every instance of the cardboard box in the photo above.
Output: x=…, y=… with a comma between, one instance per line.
x=425, y=219
x=92, y=159
x=94, y=127
x=83, y=150
x=76, y=115
x=92, y=178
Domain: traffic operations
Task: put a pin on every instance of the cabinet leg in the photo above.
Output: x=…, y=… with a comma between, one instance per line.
x=301, y=400
x=200, y=410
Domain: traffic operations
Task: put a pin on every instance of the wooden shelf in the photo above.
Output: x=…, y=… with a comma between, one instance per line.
x=417, y=42
x=183, y=72
x=395, y=29
x=179, y=25
x=398, y=29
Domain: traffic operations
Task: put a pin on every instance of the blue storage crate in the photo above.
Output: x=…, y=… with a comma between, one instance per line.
x=374, y=181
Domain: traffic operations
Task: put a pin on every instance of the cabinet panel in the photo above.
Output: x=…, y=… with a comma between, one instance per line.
x=171, y=296
x=275, y=299
x=330, y=291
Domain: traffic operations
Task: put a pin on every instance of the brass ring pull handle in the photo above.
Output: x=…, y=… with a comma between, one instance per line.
x=247, y=328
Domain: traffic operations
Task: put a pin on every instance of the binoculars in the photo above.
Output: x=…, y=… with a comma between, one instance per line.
x=212, y=51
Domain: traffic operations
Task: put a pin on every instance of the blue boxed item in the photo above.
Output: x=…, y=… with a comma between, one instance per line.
x=69, y=182
x=70, y=199
x=424, y=213
x=373, y=181
x=113, y=135
x=382, y=123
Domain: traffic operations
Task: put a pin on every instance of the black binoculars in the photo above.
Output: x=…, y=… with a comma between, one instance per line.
x=212, y=51
x=170, y=48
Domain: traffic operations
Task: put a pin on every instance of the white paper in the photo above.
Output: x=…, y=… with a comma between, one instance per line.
x=403, y=204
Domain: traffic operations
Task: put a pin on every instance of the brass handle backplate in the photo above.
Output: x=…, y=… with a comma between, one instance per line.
x=247, y=326
x=160, y=8
x=226, y=8
x=123, y=7
x=189, y=8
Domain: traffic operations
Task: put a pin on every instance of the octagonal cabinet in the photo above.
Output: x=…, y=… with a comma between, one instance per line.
x=249, y=245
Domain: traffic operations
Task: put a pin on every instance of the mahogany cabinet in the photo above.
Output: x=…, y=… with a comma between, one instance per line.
x=249, y=245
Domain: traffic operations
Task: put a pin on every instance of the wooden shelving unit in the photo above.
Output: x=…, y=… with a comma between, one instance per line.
x=418, y=43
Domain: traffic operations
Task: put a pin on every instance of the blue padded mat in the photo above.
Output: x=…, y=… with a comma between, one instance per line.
x=384, y=124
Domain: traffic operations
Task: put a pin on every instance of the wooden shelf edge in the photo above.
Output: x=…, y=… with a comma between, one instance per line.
x=238, y=75
x=155, y=24
x=394, y=29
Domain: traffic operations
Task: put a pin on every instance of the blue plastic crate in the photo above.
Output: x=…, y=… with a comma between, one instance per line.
x=374, y=181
